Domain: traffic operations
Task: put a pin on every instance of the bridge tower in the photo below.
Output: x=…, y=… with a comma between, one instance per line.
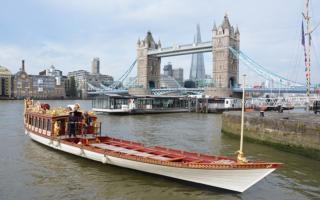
x=225, y=72
x=148, y=66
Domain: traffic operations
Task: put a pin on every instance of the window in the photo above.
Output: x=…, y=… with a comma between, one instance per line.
x=48, y=125
x=40, y=123
x=44, y=124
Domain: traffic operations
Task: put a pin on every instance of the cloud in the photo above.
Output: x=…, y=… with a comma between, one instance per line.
x=70, y=33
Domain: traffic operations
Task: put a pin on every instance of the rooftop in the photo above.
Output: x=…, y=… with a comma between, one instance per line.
x=4, y=71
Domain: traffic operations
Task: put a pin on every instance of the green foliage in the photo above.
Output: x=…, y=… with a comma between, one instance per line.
x=71, y=88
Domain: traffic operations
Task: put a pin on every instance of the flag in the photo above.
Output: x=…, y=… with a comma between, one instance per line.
x=302, y=38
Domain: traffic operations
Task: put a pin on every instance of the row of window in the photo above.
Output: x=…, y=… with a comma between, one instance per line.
x=38, y=122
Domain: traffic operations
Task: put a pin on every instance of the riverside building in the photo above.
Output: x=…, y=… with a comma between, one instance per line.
x=37, y=86
x=5, y=83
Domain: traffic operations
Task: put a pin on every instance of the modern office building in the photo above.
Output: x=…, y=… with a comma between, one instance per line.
x=95, y=66
x=167, y=70
x=197, y=70
x=86, y=81
x=178, y=75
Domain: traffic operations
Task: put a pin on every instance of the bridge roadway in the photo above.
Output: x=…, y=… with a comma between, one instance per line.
x=185, y=49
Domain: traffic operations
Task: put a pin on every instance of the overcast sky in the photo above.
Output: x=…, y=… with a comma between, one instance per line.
x=69, y=33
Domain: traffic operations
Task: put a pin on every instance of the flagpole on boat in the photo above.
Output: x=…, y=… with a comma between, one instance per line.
x=241, y=157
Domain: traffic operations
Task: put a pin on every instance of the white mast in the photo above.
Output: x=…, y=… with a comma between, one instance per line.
x=242, y=112
x=307, y=50
x=241, y=157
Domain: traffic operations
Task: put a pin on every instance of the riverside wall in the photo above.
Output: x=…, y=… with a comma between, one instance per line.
x=294, y=132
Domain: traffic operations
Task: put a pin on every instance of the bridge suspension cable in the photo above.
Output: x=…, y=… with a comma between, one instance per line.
x=124, y=76
x=263, y=72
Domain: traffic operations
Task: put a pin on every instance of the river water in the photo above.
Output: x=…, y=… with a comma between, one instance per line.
x=32, y=171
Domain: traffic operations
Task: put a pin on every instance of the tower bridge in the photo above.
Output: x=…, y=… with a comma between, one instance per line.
x=225, y=67
x=225, y=48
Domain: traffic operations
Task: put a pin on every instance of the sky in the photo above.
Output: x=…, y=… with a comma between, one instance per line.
x=70, y=33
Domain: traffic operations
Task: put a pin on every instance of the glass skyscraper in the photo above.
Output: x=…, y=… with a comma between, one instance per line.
x=197, y=71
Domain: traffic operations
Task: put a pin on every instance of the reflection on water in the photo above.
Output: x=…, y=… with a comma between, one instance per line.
x=32, y=171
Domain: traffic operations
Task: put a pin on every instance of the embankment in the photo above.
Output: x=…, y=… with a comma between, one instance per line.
x=294, y=132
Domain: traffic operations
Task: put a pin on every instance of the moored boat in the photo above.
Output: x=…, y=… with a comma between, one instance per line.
x=53, y=126
x=147, y=104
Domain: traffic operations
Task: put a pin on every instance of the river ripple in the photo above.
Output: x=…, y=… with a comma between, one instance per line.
x=31, y=171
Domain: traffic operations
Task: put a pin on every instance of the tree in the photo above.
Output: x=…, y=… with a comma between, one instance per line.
x=71, y=87
x=189, y=84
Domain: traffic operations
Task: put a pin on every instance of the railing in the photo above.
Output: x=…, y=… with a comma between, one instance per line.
x=276, y=90
x=80, y=127
x=169, y=90
x=297, y=102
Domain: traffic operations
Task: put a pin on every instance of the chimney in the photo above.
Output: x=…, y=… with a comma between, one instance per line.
x=22, y=66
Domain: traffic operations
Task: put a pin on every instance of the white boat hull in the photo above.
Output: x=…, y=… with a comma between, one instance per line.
x=233, y=179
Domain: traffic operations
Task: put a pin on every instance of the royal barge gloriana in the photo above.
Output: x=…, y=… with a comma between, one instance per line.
x=53, y=127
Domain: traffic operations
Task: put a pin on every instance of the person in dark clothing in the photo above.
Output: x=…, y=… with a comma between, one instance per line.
x=86, y=122
x=72, y=124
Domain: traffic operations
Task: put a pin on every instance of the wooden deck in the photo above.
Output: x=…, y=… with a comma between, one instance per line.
x=156, y=152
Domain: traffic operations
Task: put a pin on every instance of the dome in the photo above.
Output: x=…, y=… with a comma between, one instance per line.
x=4, y=71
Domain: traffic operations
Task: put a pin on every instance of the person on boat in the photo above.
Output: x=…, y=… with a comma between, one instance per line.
x=72, y=124
x=77, y=113
x=86, y=122
x=68, y=109
x=56, y=128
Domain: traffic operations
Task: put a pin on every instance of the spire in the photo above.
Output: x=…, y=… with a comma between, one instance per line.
x=159, y=44
x=149, y=40
x=198, y=36
x=22, y=66
x=237, y=31
x=197, y=70
x=214, y=27
x=226, y=23
x=139, y=42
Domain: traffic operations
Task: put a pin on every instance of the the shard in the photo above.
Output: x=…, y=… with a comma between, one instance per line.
x=197, y=71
